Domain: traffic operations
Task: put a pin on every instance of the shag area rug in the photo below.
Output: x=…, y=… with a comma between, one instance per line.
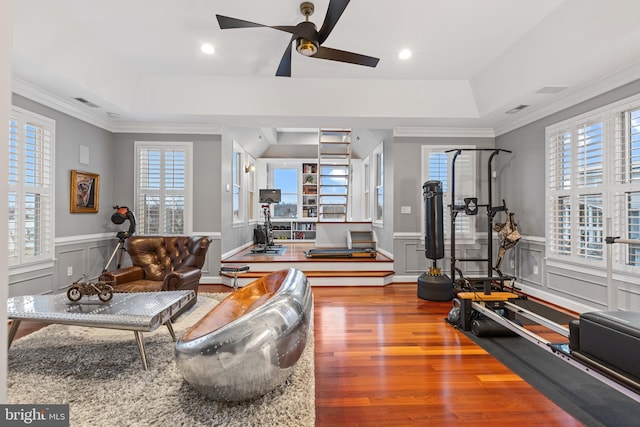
x=99, y=373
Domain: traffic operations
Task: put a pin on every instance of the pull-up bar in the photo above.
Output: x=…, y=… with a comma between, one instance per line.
x=491, y=210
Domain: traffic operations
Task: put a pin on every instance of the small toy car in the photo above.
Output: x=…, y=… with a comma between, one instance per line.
x=81, y=287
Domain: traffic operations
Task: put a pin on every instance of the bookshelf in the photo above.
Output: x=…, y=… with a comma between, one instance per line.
x=309, y=190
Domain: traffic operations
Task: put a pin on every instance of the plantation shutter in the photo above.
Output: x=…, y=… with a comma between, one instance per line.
x=627, y=180
x=590, y=226
x=590, y=154
x=560, y=225
x=162, y=200
x=560, y=161
x=30, y=197
x=437, y=167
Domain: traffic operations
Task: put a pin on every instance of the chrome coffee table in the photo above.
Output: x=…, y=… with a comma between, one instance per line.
x=137, y=311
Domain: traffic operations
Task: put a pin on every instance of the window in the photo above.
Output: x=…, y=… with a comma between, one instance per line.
x=436, y=166
x=366, y=199
x=251, y=188
x=378, y=185
x=31, y=150
x=627, y=184
x=593, y=182
x=576, y=162
x=237, y=172
x=164, y=189
x=286, y=180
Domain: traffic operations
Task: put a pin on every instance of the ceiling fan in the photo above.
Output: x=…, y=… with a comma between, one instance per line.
x=308, y=39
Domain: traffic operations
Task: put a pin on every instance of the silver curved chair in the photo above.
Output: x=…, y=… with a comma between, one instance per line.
x=249, y=343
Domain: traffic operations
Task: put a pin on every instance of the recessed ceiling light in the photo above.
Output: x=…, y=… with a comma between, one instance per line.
x=404, y=54
x=207, y=48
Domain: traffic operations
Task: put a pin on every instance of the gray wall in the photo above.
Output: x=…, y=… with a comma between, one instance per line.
x=207, y=187
x=81, y=240
x=408, y=244
x=71, y=133
x=206, y=179
x=84, y=242
x=522, y=183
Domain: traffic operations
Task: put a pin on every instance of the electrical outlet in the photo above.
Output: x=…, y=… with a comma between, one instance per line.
x=535, y=269
x=69, y=271
x=513, y=264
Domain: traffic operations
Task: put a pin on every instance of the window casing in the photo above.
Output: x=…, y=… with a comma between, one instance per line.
x=378, y=186
x=164, y=187
x=366, y=180
x=576, y=179
x=593, y=186
x=31, y=188
x=436, y=166
x=251, y=189
x=237, y=170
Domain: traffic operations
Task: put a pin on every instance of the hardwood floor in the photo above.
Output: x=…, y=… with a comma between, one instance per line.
x=385, y=357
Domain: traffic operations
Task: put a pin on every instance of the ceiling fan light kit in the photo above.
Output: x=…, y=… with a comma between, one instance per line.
x=307, y=37
x=306, y=47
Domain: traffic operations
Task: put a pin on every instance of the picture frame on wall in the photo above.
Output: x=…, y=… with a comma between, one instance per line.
x=85, y=192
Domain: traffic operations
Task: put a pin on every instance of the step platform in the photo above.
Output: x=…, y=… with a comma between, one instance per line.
x=340, y=253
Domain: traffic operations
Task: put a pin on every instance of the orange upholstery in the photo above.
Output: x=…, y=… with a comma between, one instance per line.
x=243, y=301
x=161, y=264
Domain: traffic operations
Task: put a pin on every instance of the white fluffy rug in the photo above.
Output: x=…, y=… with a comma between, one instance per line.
x=99, y=373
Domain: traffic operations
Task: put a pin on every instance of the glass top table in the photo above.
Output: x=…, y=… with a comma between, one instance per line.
x=136, y=311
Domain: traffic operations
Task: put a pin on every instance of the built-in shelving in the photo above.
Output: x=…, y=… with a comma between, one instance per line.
x=309, y=190
x=294, y=229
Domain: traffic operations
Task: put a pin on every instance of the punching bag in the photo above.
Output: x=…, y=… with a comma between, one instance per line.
x=434, y=222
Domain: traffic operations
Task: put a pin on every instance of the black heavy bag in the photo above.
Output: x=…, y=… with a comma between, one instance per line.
x=434, y=231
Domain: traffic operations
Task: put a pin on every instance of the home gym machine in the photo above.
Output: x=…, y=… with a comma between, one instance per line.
x=471, y=207
x=470, y=289
x=602, y=344
x=121, y=215
x=263, y=235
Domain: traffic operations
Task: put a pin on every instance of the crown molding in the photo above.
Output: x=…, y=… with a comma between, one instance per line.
x=57, y=103
x=99, y=119
x=443, y=132
x=573, y=98
x=166, y=128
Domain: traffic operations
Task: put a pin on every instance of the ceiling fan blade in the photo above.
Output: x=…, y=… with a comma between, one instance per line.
x=284, y=69
x=344, y=56
x=334, y=12
x=226, y=22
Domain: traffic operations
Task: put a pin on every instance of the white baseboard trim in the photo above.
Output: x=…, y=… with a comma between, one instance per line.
x=405, y=278
x=83, y=238
x=236, y=250
x=556, y=299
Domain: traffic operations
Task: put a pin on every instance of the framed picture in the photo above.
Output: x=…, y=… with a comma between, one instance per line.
x=85, y=192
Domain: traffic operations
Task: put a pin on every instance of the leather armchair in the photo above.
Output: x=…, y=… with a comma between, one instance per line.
x=160, y=263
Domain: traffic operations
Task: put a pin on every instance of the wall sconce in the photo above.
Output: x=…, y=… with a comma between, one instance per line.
x=249, y=168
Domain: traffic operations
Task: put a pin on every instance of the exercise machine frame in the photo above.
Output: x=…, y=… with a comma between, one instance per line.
x=603, y=373
x=470, y=208
x=268, y=245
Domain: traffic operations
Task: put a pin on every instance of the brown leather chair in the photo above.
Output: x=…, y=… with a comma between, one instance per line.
x=160, y=263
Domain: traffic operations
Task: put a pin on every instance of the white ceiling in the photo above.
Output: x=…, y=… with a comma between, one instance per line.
x=472, y=61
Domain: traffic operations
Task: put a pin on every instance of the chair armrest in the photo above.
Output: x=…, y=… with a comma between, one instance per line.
x=123, y=275
x=179, y=278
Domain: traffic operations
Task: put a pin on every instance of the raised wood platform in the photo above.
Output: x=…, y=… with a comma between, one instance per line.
x=348, y=271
